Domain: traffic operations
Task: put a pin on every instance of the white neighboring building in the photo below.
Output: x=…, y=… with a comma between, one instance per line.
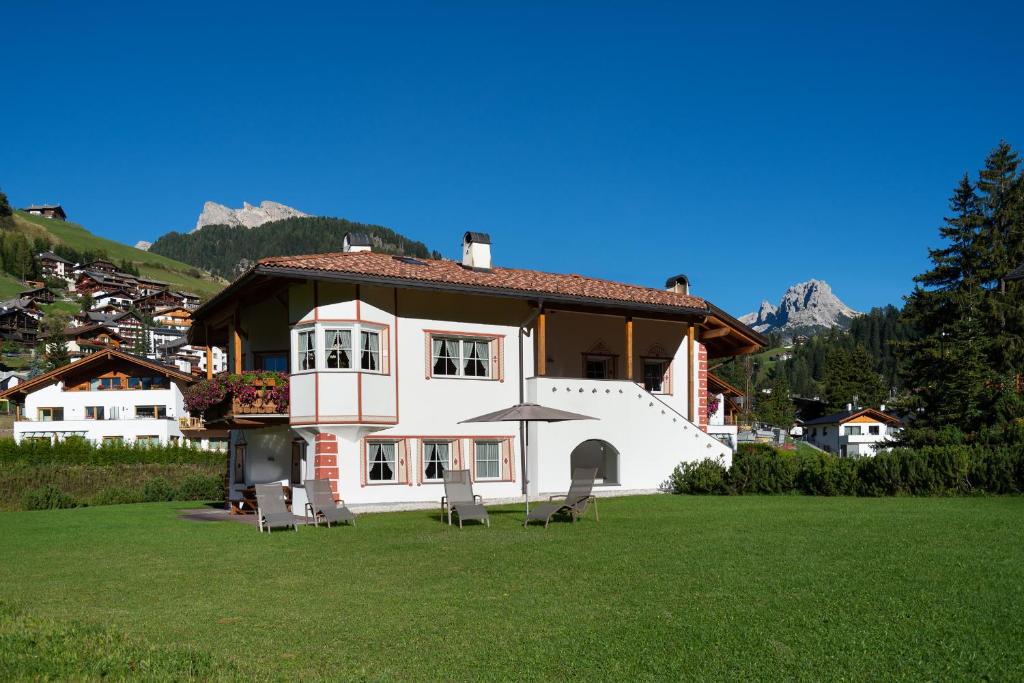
x=389, y=354
x=107, y=396
x=851, y=433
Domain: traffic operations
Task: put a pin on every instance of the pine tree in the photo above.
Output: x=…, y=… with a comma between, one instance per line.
x=849, y=378
x=778, y=409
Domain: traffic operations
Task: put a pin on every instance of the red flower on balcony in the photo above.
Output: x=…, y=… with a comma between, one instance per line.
x=268, y=390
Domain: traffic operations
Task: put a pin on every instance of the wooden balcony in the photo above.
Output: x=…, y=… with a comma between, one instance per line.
x=251, y=404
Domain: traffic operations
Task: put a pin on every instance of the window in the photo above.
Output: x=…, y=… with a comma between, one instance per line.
x=113, y=439
x=148, y=440
x=307, y=350
x=50, y=414
x=94, y=412
x=272, y=362
x=460, y=357
x=151, y=412
x=435, y=460
x=381, y=456
x=109, y=383
x=654, y=375
x=219, y=445
x=598, y=367
x=852, y=430
x=338, y=348
x=873, y=430
x=488, y=460
x=369, y=345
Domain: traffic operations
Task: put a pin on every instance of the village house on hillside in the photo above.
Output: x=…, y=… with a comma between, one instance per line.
x=852, y=432
x=108, y=396
x=47, y=210
x=388, y=355
x=53, y=266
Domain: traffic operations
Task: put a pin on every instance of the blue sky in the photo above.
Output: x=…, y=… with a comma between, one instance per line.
x=748, y=146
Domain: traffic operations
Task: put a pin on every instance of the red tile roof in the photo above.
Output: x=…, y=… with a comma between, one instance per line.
x=452, y=273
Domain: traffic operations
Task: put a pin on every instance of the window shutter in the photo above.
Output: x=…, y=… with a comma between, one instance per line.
x=404, y=465
x=667, y=388
x=508, y=465
x=498, y=362
x=426, y=354
x=385, y=350
x=456, y=453
x=472, y=461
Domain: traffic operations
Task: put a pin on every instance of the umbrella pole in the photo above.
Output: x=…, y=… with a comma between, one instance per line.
x=525, y=434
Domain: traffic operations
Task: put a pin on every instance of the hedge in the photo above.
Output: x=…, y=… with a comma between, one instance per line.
x=928, y=471
x=77, y=451
x=33, y=487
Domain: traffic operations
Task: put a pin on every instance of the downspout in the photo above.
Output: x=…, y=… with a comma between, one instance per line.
x=522, y=387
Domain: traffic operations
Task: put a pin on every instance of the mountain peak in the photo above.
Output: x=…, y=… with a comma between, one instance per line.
x=805, y=306
x=250, y=216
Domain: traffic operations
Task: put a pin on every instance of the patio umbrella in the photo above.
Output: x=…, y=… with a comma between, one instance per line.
x=523, y=413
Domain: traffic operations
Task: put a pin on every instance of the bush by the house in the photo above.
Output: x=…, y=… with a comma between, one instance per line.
x=705, y=476
x=116, y=495
x=46, y=498
x=929, y=471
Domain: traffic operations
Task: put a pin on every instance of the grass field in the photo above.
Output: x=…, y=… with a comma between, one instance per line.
x=149, y=264
x=663, y=587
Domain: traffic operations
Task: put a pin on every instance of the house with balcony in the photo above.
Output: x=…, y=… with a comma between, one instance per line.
x=386, y=356
x=107, y=396
x=723, y=410
x=853, y=432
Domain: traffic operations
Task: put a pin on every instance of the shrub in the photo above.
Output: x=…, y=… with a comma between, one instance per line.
x=201, y=487
x=82, y=452
x=760, y=468
x=822, y=474
x=158, y=490
x=47, y=497
x=117, y=495
x=705, y=476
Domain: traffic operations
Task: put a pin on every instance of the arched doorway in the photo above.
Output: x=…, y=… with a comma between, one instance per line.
x=600, y=454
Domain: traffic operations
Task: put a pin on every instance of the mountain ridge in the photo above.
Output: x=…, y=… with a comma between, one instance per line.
x=805, y=307
x=249, y=216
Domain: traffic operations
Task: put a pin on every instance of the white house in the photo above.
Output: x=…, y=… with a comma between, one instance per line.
x=853, y=432
x=388, y=355
x=107, y=396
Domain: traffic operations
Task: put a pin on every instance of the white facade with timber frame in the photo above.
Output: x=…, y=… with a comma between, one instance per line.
x=388, y=355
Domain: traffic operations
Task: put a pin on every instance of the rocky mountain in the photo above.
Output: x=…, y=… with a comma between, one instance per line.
x=806, y=307
x=248, y=216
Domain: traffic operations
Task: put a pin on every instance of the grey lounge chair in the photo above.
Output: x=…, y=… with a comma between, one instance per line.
x=271, y=510
x=460, y=499
x=320, y=504
x=575, y=502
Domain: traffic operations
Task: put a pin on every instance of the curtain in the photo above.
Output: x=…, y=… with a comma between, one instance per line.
x=371, y=350
x=446, y=352
x=339, y=348
x=382, y=462
x=436, y=460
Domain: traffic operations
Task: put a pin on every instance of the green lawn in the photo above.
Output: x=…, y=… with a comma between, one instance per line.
x=663, y=587
x=10, y=286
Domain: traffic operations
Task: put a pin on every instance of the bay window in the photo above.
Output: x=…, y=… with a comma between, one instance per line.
x=453, y=356
x=307, y=349
x=338, y=347
x=369, y=344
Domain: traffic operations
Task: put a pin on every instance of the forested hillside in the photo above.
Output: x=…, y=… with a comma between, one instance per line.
x=230, y=250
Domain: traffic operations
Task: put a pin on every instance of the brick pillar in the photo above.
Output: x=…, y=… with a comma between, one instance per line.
x=325, y=460
x=702, y=387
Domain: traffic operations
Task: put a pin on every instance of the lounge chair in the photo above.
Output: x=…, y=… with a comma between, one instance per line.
x=575, y=502
x=320, y=504
x=271, y=510
x=460, y=499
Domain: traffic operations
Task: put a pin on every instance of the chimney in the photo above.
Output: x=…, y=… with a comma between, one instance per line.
x=356, y=241
x=849, y=407
x=476, y=250
x=680, y=284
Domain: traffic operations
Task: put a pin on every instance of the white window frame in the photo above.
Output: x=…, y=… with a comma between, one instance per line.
x=460, y=361
x=337, y=346
x=446, y=463
x=303, y=351
x=394, y=462
x=852, y=430
x=319, y=331
x=476, y=459
x=366, y=333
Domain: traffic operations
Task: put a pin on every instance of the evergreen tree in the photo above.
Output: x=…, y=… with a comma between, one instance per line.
x=56, y=352
x=849, y=378
x=778, y=409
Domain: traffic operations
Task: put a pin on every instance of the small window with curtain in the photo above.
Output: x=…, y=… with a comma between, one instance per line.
x=381, y=462
x=306, y=350
x=50, y=414
x=436, y=459
x=655, y=372
x=94, y=412
x=488, y=459
x=338, y=348
x=873, y=430
x=369, y=345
